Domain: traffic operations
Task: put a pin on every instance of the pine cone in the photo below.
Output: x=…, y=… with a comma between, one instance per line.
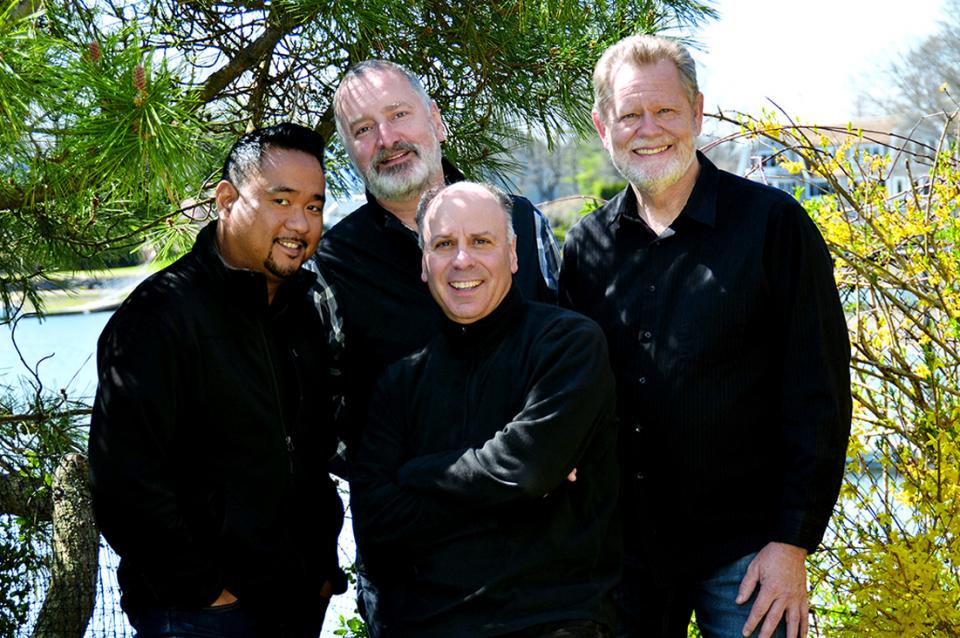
x=96, y=53
x=140, y=78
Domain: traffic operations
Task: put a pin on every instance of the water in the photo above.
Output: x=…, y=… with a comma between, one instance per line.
x=61, y=350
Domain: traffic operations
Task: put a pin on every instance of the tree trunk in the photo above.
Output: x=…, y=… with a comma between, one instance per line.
x=72, y=592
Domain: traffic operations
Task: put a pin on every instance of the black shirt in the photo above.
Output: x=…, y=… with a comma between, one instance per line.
x=730, y=349
x=462, y=510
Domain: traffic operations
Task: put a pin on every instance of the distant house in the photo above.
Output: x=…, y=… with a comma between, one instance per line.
x=888, y=137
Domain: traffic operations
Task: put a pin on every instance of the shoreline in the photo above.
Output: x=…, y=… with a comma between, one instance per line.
x=85, y=292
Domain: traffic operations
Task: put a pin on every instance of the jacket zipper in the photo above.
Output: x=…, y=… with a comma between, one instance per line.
x=288, y=440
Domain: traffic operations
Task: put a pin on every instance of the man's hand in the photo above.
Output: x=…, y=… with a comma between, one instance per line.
x=780, y=572
x=225, y=598
x=572, y=476
x=327, y=590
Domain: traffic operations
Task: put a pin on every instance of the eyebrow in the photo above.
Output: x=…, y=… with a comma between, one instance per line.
x=485, y=233
x=393, y=106
x=287, y=189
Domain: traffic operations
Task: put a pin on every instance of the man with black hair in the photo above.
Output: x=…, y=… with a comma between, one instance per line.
x=210, y=425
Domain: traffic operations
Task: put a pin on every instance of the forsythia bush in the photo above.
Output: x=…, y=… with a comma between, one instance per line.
x=891, y=563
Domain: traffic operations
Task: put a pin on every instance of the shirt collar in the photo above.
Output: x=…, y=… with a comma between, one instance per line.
x=480, y=335
x=248, y=288
x=701, y=206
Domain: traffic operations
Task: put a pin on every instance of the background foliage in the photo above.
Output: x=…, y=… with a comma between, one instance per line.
x=115, y=115
x=891, y=563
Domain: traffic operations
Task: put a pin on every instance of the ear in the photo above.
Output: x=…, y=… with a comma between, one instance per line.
x=698, y=113
x=437, y=122
x=225, y=194
x=423, y=267
x=601, y=128
x=514, y=263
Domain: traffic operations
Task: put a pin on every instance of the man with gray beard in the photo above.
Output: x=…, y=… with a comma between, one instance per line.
x=369, y=287
x=729, y=344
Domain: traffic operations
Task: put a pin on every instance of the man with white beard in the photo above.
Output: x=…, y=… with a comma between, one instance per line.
x=368, y=265
x=729, y=344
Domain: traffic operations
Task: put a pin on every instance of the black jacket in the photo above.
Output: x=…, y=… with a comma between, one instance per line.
x=462, y=510
x=730, y=347
x=208, y=438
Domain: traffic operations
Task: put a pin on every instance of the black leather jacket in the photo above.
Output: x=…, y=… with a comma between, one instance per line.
x=209, y=439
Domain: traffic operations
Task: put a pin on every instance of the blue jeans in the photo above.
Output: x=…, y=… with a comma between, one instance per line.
x=226, y=621
x=368, y=602
x=658, y=610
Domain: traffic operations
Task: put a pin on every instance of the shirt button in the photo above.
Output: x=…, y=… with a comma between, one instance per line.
x=639, y=476
x=638, y=428
x=651, y=288
x=642, y=380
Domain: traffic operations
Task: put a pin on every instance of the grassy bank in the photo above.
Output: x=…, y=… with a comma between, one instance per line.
x=91, y=290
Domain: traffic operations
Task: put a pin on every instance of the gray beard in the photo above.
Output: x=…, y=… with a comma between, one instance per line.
x=406, y=181
x=653, y=184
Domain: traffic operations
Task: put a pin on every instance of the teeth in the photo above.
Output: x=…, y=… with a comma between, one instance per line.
x=650, y=151
x=463, y=285
x=290, y=243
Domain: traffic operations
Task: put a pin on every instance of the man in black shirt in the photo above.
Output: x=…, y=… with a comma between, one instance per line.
x=462, y=506
x=731, y=354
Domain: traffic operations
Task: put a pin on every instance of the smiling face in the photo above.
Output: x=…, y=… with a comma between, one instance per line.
x=468, y=255
x=273, y=221
x=650, y=127
x=392, y=136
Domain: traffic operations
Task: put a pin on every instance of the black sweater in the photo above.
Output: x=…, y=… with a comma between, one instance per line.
x=204, y=391
x=462, y=510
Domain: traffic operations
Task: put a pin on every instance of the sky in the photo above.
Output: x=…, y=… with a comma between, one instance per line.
x=814, y=58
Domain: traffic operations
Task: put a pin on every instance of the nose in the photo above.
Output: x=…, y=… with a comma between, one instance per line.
x=297, y=220
x=463, y=258
x=388, y=134
x=647, y=124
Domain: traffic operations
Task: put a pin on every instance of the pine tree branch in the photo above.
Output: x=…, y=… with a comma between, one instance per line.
x=11, y=198
x=241, y=62
x=21, y=418
x=22, y=9
x=18, y=497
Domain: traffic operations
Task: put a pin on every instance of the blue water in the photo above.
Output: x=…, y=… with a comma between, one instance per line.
x=61, y=349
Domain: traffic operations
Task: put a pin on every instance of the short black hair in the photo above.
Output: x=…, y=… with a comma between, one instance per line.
x=247, y=152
